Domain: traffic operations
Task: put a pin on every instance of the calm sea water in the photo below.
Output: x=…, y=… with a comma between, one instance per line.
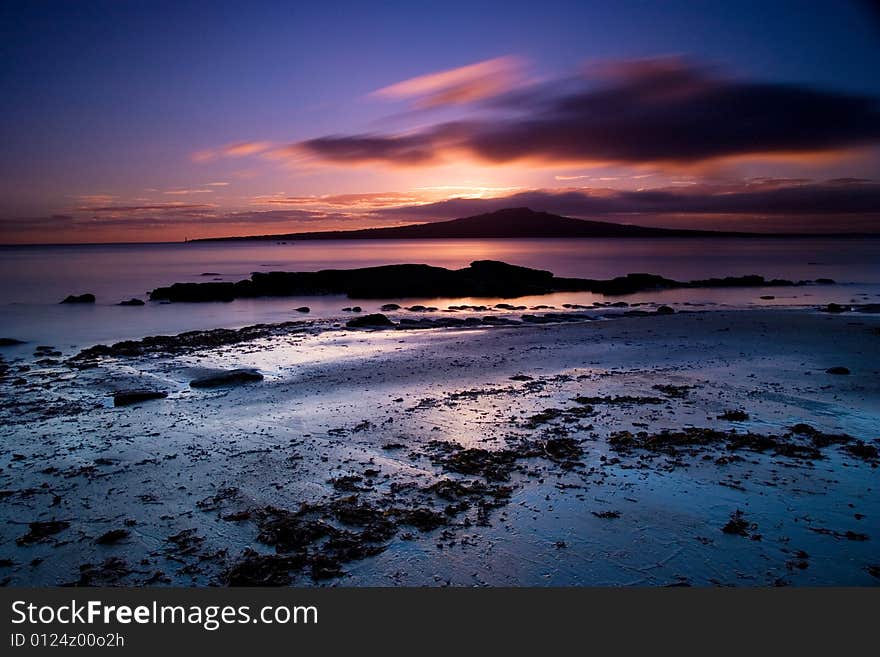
x=35, y=279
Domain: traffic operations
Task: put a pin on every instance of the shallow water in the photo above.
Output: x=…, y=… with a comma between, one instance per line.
x=332, y=401
x=37, y=277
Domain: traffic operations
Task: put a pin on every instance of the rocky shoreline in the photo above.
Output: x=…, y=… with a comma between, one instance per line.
x=687, y=448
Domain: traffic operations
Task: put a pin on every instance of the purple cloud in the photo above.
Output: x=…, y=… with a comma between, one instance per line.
x=642, y=112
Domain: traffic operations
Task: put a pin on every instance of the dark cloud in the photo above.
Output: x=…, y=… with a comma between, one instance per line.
x=402, y=149
x=651, y=111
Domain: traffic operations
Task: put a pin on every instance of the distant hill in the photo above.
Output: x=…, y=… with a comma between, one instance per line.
x=511, y=222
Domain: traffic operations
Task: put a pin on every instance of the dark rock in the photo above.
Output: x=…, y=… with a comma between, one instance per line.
x=421, y=518
x=40, y=531
x=834, y=308
x=199, y=292
x=209, y=273
x=862, y=450
x=624, y=400
x=738, y=525
x=112, y=536
x=767, y=297
x=499, y=321
x=183, y=342
x=129, y=397
x=825, y=281
x=230, y=377
x=492, y=465
x=303, y=309
x=804, y=429
x=483, y=278
x=110, y=571
x=131, y=302
x=664, y=310
x=388, y=307
x=678, y=392
x=256, y=569
x=837, y=370
x=82, y=298
x=673, y=441
x=563, y=449
x=734, y=416
x=9, y=342
x=376, y=320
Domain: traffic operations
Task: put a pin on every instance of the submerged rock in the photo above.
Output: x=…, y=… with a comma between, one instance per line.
x=129, y=397
x=230, y=377
x=837, y=370
x=131, y=302
x=303, y=309
x=376, y=320
x=82, y=298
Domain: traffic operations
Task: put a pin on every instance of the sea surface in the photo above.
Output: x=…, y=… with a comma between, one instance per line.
x=36, y=278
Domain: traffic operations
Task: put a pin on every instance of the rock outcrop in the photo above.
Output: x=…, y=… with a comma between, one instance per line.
x=227, y=378
x=129, y=397
x=82, y=298
x=483, y=278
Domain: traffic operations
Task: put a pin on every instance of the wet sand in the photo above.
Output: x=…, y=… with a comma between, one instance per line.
x=462, y=456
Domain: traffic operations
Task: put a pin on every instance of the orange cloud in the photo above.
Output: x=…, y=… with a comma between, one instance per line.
x=364, y=201
x=238, y=149
x=456, y=86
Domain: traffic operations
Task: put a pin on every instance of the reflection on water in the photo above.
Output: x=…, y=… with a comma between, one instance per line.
x=36, y=278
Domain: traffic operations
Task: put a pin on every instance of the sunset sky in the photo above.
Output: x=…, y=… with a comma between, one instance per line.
x=136, y=121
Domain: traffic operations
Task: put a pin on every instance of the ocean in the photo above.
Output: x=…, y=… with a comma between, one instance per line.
x=36, y=278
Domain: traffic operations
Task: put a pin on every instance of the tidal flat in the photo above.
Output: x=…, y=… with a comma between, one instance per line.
x=704, y=448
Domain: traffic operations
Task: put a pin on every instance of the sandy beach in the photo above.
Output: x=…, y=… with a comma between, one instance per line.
x=529, y=454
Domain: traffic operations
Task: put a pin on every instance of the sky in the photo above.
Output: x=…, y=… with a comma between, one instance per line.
x=132, y=121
